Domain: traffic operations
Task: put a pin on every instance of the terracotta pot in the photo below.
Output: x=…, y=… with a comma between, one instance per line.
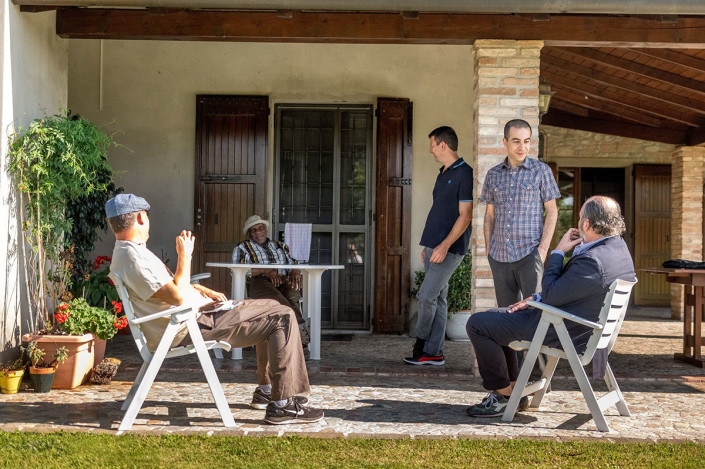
x=42, y=378
x=10, y=381
x=77, y=368
x=98, y=351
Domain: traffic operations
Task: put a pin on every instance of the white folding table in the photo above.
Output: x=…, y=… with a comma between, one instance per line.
x=311, y=287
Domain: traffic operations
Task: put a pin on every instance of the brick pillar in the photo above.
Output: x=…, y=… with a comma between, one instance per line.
x=505, y=88
x=686, y=213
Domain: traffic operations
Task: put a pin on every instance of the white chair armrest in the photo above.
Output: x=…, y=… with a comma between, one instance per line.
x=198, y=277
x=553, y=311
x=166, y=313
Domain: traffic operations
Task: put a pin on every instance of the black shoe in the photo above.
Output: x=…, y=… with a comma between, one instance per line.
x=426, y=359
x=260, y=400
x=292, y=412
x=418, y=348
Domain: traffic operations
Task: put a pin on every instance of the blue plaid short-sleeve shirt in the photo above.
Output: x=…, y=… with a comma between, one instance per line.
x=518, y=196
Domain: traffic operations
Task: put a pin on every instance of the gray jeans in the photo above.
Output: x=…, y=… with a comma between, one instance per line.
x=433, y=308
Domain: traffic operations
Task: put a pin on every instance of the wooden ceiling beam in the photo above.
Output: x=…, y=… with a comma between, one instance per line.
x=607, y=107
x=619, y=63
x=674, y=57
x=605, y=126
x=669, y=99
x=380, y=28
x=569, y=108
x=596, y=91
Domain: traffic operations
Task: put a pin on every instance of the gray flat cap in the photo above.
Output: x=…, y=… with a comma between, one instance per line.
x=124, y=203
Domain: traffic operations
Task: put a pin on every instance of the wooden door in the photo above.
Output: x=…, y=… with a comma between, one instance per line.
x=392, y=214
x=652, y=231
x=231, y=166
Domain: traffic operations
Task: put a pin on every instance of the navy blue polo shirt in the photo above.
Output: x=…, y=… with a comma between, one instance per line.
x=452, y=187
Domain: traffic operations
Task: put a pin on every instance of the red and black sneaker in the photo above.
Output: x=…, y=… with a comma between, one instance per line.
x=426, y=359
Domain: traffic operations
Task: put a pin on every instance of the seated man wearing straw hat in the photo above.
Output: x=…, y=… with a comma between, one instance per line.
x=270, y=327
x=274, y=284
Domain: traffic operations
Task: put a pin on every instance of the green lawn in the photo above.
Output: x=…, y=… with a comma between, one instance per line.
x=76, y=450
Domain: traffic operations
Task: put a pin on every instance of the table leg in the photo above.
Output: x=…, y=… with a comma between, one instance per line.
x=237, y=292
x=313, y=300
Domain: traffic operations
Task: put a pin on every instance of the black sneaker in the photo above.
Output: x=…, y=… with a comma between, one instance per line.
x=493, y=406
x=418, y=348
x=292, y=412
x=426, y=359
x=260, y=400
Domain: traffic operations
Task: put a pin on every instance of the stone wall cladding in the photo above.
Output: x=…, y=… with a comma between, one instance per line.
x=686, y=213
x=505, y=87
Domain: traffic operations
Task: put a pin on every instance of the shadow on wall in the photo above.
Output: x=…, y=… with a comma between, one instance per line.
x=10, y=281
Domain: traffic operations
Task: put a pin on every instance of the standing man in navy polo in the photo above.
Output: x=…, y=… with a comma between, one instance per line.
x=445, y=241
x=517, y=236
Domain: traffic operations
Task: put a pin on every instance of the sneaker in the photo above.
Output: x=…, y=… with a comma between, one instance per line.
x=418, y=348
x=292, y=412
x=426, y=359
x=493, y=406
x=260, y=400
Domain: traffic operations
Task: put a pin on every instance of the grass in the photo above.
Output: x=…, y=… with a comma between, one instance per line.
x=76, y=450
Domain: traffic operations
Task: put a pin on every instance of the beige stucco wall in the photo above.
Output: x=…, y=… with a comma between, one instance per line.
x=34, y=81
x=149, y=89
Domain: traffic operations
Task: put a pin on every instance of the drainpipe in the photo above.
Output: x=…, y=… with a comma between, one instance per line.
x=595, y=7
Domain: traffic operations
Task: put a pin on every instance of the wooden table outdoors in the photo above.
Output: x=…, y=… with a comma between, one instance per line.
x=693, y=310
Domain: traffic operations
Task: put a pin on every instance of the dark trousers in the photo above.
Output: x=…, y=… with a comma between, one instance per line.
x=263, y=288
x=514, y=281
x=272, y=329
x=491, y=332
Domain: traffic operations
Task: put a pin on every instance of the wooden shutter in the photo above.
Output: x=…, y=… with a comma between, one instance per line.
x=392, y=214
x=231, y=168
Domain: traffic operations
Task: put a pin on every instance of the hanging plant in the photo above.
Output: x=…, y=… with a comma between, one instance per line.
x=56, y=163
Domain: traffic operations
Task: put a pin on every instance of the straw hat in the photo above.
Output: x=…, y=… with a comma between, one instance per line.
x=252, y=221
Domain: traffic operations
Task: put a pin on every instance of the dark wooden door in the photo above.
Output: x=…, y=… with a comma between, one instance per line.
x=392, y=214
x=652, y=231
x=231, y=166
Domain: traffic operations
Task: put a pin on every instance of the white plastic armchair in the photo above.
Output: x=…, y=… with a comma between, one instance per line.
x=603, y=338
x=179, y=316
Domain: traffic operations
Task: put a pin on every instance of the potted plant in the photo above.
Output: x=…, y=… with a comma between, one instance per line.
x=59, y=167
x=42, y=373
x=83, y=329
x=459, y=298
x=11, y=374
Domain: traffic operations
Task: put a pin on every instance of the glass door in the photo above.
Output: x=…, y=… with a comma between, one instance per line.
x=323, y=173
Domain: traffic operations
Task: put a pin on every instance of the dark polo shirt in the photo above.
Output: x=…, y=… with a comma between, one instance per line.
x=452, y=187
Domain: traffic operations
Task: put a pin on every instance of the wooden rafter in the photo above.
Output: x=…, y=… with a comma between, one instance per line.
x=608, y=107
x=595, y=90
x=674, y=57
x=643, y=91
x=609, y=127
x=381, y=28
x=654, y=74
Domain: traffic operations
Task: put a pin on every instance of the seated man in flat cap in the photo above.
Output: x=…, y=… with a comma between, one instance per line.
x=269, y=326
x=275, y=284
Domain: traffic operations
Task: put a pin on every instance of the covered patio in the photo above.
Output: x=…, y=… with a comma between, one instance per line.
x=366, y=391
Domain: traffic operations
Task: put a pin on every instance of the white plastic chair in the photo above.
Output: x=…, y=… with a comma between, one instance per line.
x=603, y=338
x=153, y=361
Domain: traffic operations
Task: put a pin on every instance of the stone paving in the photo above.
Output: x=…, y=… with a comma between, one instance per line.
x=366, y=391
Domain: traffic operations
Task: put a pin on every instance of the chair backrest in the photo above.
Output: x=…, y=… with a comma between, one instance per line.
x=611, y=317
x=298, y=237
x=137, y=333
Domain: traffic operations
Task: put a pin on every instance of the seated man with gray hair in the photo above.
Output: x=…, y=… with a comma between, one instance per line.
x=269, y=326
x=282, y=285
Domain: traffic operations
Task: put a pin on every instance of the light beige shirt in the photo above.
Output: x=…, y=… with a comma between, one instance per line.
x=143, y=274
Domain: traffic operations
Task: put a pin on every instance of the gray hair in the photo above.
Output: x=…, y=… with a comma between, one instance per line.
x=604, y=215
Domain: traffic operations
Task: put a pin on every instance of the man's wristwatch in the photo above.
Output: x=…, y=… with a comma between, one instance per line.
x=536, y=296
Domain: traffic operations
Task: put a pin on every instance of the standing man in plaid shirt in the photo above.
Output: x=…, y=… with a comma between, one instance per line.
x=517, y=237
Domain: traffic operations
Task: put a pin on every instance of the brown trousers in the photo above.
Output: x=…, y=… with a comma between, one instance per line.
x=273, y=330
x=285, y=294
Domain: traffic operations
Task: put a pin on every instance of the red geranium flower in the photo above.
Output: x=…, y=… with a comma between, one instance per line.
x=117, y=306
x=120, y=322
